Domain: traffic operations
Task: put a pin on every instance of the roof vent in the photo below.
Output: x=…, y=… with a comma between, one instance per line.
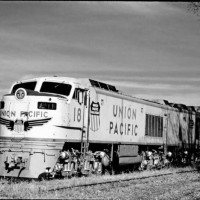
x=102, y=85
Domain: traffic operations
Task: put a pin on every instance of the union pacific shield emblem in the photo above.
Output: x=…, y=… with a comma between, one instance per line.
x=95, y=116
x=19, y=126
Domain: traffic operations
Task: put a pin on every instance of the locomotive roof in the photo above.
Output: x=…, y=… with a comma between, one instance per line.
x=83, y=81
x=57, y=78
x=86, y=82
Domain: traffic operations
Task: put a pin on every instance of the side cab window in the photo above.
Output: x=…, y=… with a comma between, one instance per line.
x=77, y=93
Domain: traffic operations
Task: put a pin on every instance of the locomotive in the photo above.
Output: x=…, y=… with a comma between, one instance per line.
x=60, y=126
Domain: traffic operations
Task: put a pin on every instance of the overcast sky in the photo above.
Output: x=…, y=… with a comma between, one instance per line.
x=146, y=49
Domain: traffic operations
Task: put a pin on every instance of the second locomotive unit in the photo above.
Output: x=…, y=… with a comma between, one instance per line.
x=60, y=126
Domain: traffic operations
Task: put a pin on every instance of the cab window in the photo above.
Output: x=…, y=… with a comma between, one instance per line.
x=56, y=88
x=76, y=93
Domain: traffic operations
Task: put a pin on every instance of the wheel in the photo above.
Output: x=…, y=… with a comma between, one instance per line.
x=106, y=171
x=141, y=167
x=44, y=176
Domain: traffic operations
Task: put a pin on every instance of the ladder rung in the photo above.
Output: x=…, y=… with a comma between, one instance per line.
x=84, y=142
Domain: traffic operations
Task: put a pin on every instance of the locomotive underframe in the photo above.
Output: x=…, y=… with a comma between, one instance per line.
x=28, y=159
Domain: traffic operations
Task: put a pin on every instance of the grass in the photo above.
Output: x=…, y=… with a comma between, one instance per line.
x=35, y=189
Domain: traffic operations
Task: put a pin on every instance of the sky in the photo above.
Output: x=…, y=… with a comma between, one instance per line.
x=149, y=50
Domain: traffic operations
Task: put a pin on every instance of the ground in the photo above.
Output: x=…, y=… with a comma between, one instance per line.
x=172, y=186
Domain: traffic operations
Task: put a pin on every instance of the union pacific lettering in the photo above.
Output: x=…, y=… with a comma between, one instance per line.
x=126, y=121
x=36, y=114
x=124, y=112
x=7, y=113
x=33, y=114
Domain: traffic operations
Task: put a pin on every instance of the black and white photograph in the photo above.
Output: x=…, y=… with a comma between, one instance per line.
x=100, y=100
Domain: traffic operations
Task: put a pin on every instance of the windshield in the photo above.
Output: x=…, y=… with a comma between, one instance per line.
x=56, y=88
x=27, y=85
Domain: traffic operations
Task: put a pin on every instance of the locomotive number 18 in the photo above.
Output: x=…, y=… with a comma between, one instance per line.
x=77, y=114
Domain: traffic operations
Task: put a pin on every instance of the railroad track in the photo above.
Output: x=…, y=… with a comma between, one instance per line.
x=120, y=180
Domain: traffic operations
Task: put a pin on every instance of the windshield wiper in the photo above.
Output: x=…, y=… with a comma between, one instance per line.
x=58, y=84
